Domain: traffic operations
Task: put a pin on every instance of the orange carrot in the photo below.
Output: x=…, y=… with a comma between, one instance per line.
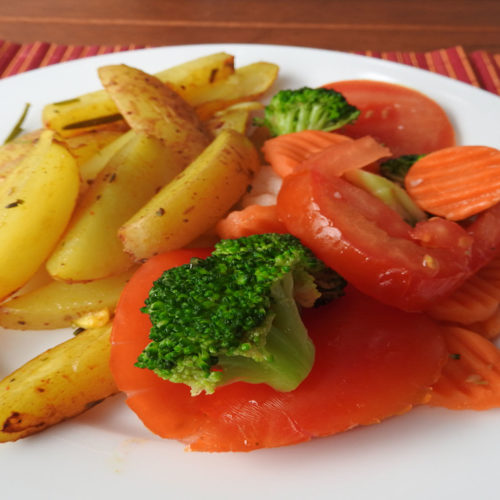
x=489, y=327
x=471, y=377
x=456, y=182
x=475, y=300
x=254, y=219
x=491, y=272
x=287, y=151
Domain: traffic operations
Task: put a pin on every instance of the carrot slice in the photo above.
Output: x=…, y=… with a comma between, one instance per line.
x=287, y=151
x=456, y=182
x=254, y=219
x=490, y=327
x=471, y=377
x=475, y=300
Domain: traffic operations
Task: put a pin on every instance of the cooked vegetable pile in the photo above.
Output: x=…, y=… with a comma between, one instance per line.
x=236, y=311
x=196, y=248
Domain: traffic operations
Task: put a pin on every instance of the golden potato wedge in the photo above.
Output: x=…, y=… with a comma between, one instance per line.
x=246, y=84
x=58, y=304
x=85, y=146
x=97, y=109
x=90, y=248
x=56, y=385
x=82, y=114
x=236, y=117
x=12, y=153
x=39, y=279
x=192, y=203
x=36, y=202
x=91, y=168
x=186, y=78
x=151, y=107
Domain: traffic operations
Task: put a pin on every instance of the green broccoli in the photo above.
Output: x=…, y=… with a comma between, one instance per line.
x=395, y=169
x=234, y=316
x=307, y=109
x=391, y=193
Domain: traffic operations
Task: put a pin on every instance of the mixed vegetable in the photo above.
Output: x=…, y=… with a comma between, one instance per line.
x=283, y=272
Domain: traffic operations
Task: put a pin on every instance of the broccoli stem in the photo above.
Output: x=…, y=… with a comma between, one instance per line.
x=290, y=350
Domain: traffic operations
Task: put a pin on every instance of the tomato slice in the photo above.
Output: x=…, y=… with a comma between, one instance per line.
x=403, y=119
x=372, y=362
x=370, y=245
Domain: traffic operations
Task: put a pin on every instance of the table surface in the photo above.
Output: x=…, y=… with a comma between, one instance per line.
x=354, y=25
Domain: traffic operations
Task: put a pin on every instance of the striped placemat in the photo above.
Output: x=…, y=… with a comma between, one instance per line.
x=478, y=68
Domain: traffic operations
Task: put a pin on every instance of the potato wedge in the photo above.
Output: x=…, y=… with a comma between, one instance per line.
x=59, y=305
x=12, y=153
x=236, y=117
x=87, y=145
x=90, y=248
x=90, y=169
x=56, y=385
x=97, y=109
x=246, y=84
x=192, y=203
x=36, y=202
x=151, y=107
x=186, y=78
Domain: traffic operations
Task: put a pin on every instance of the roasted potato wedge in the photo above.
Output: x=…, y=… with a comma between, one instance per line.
x=36, y=202
x=85, y=146
x=90, y=169
x=151, y=107
x=236, y=117
x=246, y=84
x=96, y=109
x=56, y=385
x=12, y=153
x=90, y=248
x=58, y=304
x=192, y=203
x=186, y=78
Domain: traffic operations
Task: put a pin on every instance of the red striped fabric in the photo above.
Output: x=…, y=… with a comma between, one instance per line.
x=478, y=68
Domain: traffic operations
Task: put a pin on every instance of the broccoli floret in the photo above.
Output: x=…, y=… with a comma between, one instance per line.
x=234, y=316
x=307, y=109
x=396, y=169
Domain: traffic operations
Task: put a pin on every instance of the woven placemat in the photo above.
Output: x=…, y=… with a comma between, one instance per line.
x=478, y=68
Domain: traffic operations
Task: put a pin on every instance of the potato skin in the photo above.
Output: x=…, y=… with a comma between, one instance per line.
x=60, y=383
x=195, y=200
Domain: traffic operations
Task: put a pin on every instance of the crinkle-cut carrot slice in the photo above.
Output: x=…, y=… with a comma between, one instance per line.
x=456, y=182
x=475, y=300
x=254, y=219
x=491, y=272
x=471, y=377
x=287, y=151
x=490, y=327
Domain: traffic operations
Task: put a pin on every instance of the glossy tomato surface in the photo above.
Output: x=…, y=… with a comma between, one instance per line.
x=403, y=119
x=370, y=245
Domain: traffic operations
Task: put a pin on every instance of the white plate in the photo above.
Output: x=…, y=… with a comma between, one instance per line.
x=106, y=453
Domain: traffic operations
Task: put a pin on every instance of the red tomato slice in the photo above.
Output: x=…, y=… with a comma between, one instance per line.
x=370, y=245
x=405, y=120
x=371, y=362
